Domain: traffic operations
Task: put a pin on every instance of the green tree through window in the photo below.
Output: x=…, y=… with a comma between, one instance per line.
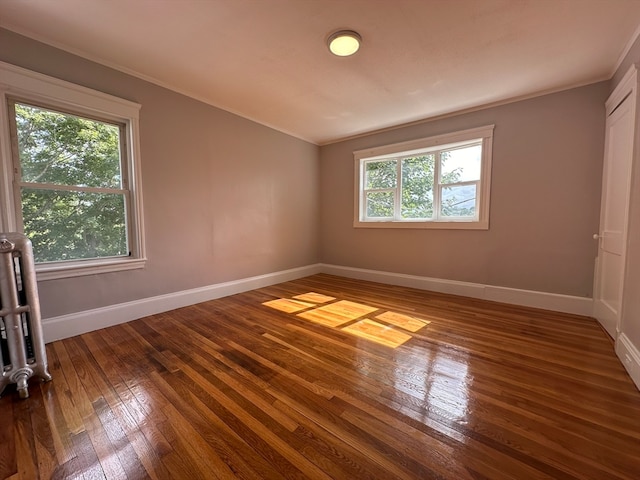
x=73, y=201
x=417, y=187
x=418, y=181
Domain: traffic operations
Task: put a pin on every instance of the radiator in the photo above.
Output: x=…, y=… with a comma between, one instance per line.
x=23, y=354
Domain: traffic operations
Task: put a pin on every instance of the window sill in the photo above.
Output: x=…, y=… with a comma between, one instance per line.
x=453, y=225
x=52, y=271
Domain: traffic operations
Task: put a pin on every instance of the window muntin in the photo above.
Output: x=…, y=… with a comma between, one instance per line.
x=70, y=191
x=113, y=191
x=437, y=182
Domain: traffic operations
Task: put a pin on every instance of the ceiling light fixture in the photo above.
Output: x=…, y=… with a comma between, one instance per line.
x=344, y=43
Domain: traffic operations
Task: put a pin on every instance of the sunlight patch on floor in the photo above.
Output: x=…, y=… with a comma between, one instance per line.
x=287, y=305
x=314, y=297
x=336, y=314
x=343, y=314
x=378, y=333
x=403, y=321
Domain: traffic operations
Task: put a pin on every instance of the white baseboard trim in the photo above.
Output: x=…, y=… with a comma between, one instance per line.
x=629, y=355
x=514, y=296
x=65, y=326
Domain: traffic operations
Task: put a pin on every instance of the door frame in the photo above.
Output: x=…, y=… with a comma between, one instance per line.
x=627, y=88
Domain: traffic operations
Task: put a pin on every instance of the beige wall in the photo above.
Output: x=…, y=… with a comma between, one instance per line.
x=224, y=198
x=545, y=200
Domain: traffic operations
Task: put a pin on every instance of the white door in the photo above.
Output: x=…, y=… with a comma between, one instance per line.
x=612, y=237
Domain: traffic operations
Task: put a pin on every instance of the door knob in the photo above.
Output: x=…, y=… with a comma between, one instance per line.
x=596, y=236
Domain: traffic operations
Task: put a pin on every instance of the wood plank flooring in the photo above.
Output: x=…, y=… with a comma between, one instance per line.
x=233, y=389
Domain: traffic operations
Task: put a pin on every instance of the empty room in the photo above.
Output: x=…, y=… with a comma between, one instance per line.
x=323, y=239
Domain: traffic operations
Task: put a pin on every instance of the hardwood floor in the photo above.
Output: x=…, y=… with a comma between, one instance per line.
x=233, y=388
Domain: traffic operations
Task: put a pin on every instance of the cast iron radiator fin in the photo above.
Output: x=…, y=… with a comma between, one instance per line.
x=22, y=351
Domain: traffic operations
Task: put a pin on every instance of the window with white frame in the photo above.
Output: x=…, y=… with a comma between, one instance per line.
x=71, y=174
x=435, y=182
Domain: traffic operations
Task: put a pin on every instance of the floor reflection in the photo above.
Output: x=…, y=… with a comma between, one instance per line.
x=438, y=380
x=447, y=385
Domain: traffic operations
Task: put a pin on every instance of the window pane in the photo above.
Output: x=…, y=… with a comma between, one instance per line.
x=417, y=187
x=458, y=201
x=74, y=225
x=380, y=175
x=379, y=204
x=461, y=164
x=63, y=149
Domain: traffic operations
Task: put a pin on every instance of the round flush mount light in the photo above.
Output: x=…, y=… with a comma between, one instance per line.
x=344, y=43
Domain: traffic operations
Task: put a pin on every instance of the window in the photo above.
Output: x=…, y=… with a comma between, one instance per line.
x=436, y=182
x=71, y=171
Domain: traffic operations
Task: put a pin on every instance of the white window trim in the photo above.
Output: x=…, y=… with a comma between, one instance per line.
x=485, y=134
x=52, y=92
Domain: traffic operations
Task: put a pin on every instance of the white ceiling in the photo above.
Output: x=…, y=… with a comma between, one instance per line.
x=267, y=59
